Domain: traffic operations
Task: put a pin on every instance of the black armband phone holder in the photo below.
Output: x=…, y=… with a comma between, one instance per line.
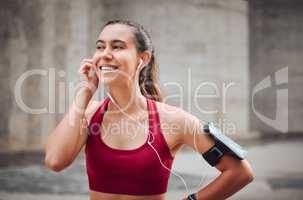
x=223, y=145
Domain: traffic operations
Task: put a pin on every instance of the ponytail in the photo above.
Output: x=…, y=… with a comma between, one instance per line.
x=148, y=81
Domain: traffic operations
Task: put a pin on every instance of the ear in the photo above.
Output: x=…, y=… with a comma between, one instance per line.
x=145, y=56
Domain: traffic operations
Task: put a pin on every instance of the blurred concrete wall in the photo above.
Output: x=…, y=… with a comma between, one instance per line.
x=49, y=36
x=276, y=29
x=202, y=48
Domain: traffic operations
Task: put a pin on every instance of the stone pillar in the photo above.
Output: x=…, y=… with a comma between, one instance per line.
x=276, y=30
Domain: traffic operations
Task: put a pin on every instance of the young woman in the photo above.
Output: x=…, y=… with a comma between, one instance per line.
x=130, y=137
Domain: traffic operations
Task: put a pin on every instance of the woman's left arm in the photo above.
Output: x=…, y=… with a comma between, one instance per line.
x=235, y=174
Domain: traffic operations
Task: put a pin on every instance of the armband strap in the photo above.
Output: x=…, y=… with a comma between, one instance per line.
x=213, y=155
x=223, y=145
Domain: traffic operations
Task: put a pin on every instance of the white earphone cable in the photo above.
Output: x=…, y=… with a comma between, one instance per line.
x=149, y=143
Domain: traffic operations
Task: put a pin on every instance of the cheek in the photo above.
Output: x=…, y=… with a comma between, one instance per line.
x=128, y=62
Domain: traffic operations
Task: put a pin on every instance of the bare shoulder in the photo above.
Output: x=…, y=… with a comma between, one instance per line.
x=176, y=115
x=176, y=120
x=186, y=127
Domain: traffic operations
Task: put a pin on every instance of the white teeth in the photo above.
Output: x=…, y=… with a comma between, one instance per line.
x=108, y=68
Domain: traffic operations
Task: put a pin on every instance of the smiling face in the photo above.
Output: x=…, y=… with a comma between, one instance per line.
x=116, y=54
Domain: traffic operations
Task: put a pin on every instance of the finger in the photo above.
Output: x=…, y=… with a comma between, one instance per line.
x=82, y=69
x=85, y=74
x=88, y=64
x=88, y=71
x=92, y=65
x=96, y=60
x=85, y=67
x=88, y=60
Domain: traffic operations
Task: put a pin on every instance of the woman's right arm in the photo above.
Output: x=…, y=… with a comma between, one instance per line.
x=67, y=139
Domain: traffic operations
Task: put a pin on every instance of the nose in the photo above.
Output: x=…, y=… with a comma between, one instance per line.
x=105, y=55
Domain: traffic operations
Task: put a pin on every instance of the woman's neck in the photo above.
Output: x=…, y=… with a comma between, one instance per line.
x=128, y=99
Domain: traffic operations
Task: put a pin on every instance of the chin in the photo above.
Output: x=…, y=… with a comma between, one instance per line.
x=108, y=80
x=113, y=79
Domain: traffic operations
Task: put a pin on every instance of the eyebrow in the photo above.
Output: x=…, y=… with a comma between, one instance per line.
x=113, y=41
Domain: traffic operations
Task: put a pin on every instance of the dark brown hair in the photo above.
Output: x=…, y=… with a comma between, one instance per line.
x=148, y=79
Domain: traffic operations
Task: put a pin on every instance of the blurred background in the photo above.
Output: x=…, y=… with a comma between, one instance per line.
x=237, y=63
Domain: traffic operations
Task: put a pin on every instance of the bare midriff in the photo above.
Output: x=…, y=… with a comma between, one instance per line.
x=94, y=195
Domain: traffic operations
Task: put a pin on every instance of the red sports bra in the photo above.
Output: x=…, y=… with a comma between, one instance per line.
x=133, y=172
